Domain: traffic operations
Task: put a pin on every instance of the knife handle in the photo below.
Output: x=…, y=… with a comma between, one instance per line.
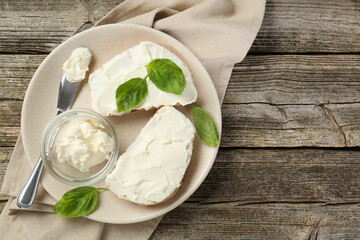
x=27, y=194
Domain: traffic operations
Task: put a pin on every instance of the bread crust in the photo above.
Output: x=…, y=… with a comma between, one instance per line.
x=142, y=109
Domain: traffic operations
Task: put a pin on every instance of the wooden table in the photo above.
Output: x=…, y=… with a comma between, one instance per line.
x=289, y=164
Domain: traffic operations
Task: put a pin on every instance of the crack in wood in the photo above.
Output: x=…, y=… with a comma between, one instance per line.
x=81, y=28
x=284, y=53
x=314, y=231
x=241, y=203
x=342, y=203
x=11, y=99
x=290, y=104
x=331, y=116
x=283, y=113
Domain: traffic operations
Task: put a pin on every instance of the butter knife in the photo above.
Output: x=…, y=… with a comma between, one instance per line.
x=66, y=97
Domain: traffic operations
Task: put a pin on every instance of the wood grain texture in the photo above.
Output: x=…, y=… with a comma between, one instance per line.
x=293, y=100
x=38, y=27
x=254, y=125
x=271, y=101
x=8, y=136
x=289, y=26
x=295, y=79
x=16, y=72
x=252, y=189
x=246, y=176
x=263, y=125
x=284, y=94
x=309, y=26
x=10, y=113
x=272, y=194
x=329, y=176
x=265, y=221
x=274, y=175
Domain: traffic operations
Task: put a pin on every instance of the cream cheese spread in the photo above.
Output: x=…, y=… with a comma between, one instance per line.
x=78, y=64
x=82, y=143
x=153, y=166
x=131, y=64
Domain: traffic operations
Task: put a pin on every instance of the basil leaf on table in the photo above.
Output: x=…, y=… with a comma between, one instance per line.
x=205, y=127
x=77, y=202
x=130, y=94
x=166, y=75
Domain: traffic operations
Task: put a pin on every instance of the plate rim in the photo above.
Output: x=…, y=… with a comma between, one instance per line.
x=206, y=171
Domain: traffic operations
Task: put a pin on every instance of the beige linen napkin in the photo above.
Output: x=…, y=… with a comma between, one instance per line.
x=219, y=32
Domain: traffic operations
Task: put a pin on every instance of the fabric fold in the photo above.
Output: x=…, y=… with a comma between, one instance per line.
x=218, y=32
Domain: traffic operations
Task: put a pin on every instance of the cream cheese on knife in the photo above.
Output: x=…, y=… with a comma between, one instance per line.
x=77, y=65
x=131, y=64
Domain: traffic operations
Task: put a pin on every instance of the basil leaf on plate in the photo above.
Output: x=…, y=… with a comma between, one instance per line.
x=77, y=202
x=130, y=94
x=205, y=127
x=166, y=75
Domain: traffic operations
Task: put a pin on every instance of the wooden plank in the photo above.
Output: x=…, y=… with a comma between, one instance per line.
x=264, y=125
x=295, y=79
x=264, y=221
x=287, y=100
x=309, y=26
x=289, y=26
x=227, y=205
x=8, y=136
x=282, y=175
x=10, y=113
x=260, y=79
x=259, y=221
x=273, y=175
x=38, y=27
x=250, y=125
x=347, y=117
x=16, y=72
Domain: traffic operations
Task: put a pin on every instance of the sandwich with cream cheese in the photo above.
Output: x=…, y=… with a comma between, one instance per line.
x=152, y=168
x=131, y=64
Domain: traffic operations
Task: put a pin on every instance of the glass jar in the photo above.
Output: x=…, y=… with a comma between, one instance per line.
x=63, y=171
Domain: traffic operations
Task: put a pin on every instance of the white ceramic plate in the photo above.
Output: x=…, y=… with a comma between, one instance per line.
x=105, y=42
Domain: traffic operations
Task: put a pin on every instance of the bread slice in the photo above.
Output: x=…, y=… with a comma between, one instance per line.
x=131, y=64
x=152, y=168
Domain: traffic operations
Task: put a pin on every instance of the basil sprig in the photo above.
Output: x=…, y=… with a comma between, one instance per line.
x=78, y=202
x=130, y=94
x=205, y=127
x=165, y=75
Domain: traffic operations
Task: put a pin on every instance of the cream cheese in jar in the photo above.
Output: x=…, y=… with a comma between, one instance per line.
x=83, y=143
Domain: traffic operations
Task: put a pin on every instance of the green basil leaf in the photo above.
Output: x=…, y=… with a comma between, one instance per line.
x=130, y=94
x=77, y=202
x=166, y=75
x=205, y=127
